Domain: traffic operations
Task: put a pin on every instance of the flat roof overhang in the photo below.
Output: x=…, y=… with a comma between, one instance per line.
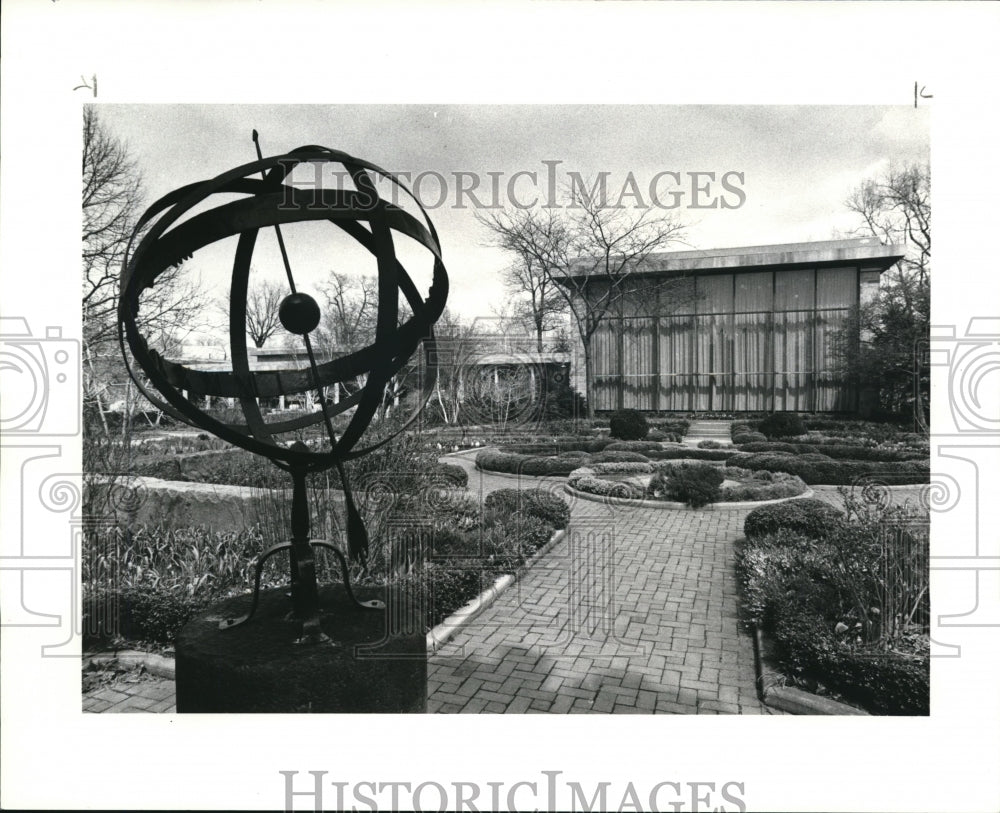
x=865, y=252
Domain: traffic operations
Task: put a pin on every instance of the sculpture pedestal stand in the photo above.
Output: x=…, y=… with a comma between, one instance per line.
x=325, y=651
x=258, y=666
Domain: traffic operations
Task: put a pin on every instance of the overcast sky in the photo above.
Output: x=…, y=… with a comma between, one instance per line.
x=795, y=166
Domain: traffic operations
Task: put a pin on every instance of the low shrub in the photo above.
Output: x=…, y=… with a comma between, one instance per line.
x=770, y=446
x=452, y=475
x=782, y=425
x=836, y=472
x=694, y=484
x=815, y=457
x=884, y=682
x=807, y=517
x=873, y=454
x=559, y=446
x=778, y=567
x=633, y=446
x=628, y=424
x=617, y=457
x=151, y=614
x=709, y=444
x=671, y=426
x=621, y=468
x=585, y=481
x=507, y=540
x=526, y=464
x=818, y=595
x=449, y=586
x=739, y=438
x=689, y=453
x=760, y=485
x=542, y=504
x=741, y=426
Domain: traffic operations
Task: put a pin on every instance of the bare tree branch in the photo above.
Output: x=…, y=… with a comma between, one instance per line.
x=590, y=254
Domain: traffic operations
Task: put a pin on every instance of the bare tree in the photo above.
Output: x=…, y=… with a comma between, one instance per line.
x=263, y=301
x=499, y=393
x=894, y=330
x=592, y=254
x=112, y=200
x=894, y=207
x=350, y=313
x=539, y=241
x=455, y=346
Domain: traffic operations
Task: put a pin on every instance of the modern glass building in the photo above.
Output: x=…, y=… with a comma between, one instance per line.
x=741, y=329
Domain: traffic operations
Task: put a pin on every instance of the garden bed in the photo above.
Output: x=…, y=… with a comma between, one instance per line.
x=842, y=599
x=682, y=486
x=145, y=584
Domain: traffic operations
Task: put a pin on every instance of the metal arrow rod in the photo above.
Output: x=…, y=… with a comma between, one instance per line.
x=309, y=351
x=357, y=534
x=277, y=228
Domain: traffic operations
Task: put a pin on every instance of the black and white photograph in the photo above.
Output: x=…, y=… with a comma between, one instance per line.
x=377, y=408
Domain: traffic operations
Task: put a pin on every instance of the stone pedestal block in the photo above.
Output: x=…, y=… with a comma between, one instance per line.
x=378, y=663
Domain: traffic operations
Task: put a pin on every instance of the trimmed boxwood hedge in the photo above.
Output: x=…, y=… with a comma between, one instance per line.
x=628, y=424
x=886, y=682
x=837, y=472
x=452, y=475
x=809, y=517
x=671, y=426
x=748, y=437
x=525, y=464
x=617, y=457
x=559, y=446
x=633, y=446
x=782, y=425
x=864, y=453
x=689, y=453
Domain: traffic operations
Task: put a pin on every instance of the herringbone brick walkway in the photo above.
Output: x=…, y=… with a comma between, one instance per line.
x=635, y=611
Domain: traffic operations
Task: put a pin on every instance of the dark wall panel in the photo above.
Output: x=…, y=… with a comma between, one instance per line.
x=754, y=291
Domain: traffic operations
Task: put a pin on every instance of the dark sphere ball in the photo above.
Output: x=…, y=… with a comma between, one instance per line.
x=299, y=313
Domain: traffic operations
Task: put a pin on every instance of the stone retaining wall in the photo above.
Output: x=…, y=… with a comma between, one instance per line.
x=172, y=504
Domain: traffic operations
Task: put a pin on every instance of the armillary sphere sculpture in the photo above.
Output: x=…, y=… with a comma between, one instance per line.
x=163, y=243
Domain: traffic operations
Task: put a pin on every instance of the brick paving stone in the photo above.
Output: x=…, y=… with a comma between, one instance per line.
x=163, y=705
x=136, y=701
x=109, y=695
x=519, y=705
x=94, y=705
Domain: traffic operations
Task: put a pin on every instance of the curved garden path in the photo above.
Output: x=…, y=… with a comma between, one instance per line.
x=635, y=610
